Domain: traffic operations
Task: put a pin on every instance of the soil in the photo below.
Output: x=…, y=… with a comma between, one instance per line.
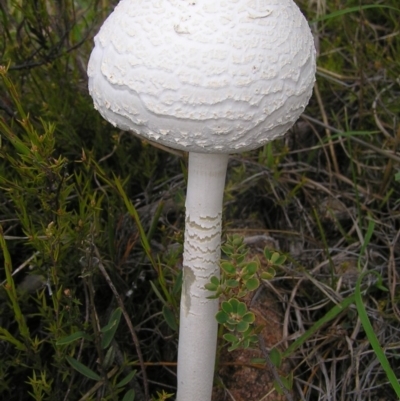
x=239, y=381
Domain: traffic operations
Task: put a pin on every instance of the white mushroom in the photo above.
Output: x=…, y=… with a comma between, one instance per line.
x=209, y=77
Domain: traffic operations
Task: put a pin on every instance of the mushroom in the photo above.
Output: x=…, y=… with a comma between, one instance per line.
x=210, y=78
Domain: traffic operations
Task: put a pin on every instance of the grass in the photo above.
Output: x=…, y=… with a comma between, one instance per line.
x=92, y=218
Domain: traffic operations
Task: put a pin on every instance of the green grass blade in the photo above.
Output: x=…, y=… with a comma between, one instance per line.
x=325, y=319
x=369, y=331
x=159, y=296
x=11, y=290
x=367, y=239
x=133, y=212
x=350, y=10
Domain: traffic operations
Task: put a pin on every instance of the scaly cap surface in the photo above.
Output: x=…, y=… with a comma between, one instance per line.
x=203, y=75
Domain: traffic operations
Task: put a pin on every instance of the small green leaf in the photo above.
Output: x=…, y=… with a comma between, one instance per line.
x=251, y=268
x=234, y=346
x=227, y=249
x=275, y=357
x=234, y=304
x=109, y=358
x=221, y=317
x=258, y=361
x=274, y=257
x=281, y=260
x=215, y=280
x=226, y=307
x=126, y=379
x=110, y=329
x=240, y=258
x=268, y=274
x=252, y=284
x=81, y=368
x=242, y=250
x=230, y=327
x=242, y=326
x=246, y=343
x=286, y=381
x=278, y=388
x=129, y=396
x=170, y=318
x=211, y=287
x=113, y=321
x=241, y=309
x=277, y=259
x=381, y=287
x=249, y=317
x=231, y=283
x=228, y=268
x=248, y=331
x=267, y=253
x=230, y=337
x=236, y=240
x=73, y=337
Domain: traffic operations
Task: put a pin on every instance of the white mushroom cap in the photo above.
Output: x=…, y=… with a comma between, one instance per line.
x=208, y=76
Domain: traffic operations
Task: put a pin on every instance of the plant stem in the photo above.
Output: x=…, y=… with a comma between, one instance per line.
x=198, y=326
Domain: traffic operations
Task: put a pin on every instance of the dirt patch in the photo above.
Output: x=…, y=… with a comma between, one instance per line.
x=239, y=380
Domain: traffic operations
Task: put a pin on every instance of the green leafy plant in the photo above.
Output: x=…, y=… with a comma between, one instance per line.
x=239, y=321
x=162, y=396
x=239, y=277
x=41, y=387
x=107, y=335
x=57, y=210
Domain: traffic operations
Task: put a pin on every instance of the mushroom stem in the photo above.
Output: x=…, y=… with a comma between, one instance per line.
x=198, y=326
